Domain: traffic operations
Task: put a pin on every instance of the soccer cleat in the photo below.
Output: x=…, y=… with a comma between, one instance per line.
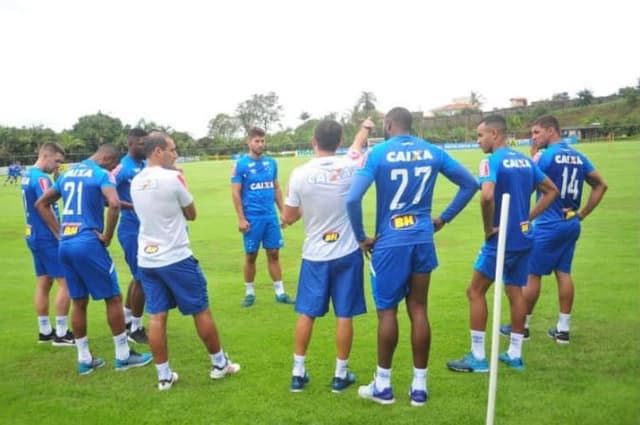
x=505, y=330
x=284, y=298
x=418, y=397
x=87, y=368
x=42, y=338
x=370, y=392
x=139, y=336
x=339, y=384
x=298, y=383
x=165, y=384
x=127, y=326
x=134, y=360
x=469, y=363
x=229, y=368
x=66, y=340
x=561, y=337
x=248, y=301
x=516, y=363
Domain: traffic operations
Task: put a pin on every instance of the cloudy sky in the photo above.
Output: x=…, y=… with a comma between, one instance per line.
x=179, y=63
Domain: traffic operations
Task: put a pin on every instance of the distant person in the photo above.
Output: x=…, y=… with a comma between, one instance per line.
x=557, y=229
x=504, y=171
x=14, y=171
x=255, y=189
x=130, y=165
x=43, y=244
x=404, y=169
x=332, y=262
x=89, y=270
x=170, y=274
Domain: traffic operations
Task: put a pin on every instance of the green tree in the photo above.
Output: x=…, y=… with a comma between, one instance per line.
x=70, y=142
x=514, y=123
x=304, y=116
x=476, y=100
x=185, y=144
x=262, y=110
x=560, y=97
x=366, y=102
x=98, y=129
x=631, y=95
x=223, y=128
x=585, y=97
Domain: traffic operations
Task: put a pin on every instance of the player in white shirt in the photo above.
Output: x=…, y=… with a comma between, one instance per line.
x=170, y=274
x=332, y=261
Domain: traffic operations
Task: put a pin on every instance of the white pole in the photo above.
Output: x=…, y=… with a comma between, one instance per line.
x=497, y=301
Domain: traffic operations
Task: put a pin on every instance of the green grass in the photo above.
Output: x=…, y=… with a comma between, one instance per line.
x=594, y=380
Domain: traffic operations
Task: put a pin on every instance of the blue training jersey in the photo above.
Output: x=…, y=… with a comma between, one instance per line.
x=513, y=173
x=567, y=168
x=124, y=173
x=257, y=177
x=37, y=234
x=82, y=198
x=405, y=169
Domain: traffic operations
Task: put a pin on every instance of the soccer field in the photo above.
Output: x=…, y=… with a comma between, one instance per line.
x=593, y=380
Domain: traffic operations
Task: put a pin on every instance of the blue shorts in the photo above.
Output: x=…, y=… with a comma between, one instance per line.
x=262, y=230
x=46, y=261
x=553, y=247
x=88, y=268
x=391, y=269
x=180, y=284
x=129, y=243
x=340, y=280
x=516, y=265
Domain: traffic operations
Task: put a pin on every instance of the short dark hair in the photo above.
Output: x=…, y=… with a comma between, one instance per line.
x=495, y=121
x=137, y=132
x=328, y=134
x=547, y=121
x=155, y=139
x=255, y=132
x=401, y=117
x=52, y=147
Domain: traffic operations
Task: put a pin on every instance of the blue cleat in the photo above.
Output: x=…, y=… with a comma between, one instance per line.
x=248, y=301
x=469, y=363
x=561, y=337
x=516, y=363
x=338, y=384
x=285, y=299
x=298, y=383
x=134, y=360
x=418, y=397
x=505, y=330
x=370, y=392
x=87, y=368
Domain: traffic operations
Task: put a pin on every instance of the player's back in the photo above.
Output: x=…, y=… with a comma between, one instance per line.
x=405, y=169
x=124, y=173
x=82, y=198
x=34, y=183
x=567, y=168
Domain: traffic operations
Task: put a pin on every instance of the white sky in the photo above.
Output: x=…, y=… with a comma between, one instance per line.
x=180, y=63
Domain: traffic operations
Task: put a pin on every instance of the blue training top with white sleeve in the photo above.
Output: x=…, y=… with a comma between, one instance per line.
x=513, y=173
x=567, y=168
x=405, y=169
x=257, y=177
x=38, y=235
x=83, y=201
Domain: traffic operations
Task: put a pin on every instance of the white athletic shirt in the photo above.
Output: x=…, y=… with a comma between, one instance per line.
x=158, y=197
x=319, y=188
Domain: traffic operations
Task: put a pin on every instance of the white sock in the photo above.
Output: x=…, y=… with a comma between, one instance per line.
x=383, y=378
x=127, y=315
x=477, y=344
x=164, y=371
x=61, y=326
x=564, y=321
x=122, y=346
x=298, y=365
x=44, y=324
x=84, y=355
x=248, y=288
x=136, y=323
x=515, y=346
x=218, y=359
x=341, y=368
x=419, y=379
x=278, y=286
x=527, y=320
